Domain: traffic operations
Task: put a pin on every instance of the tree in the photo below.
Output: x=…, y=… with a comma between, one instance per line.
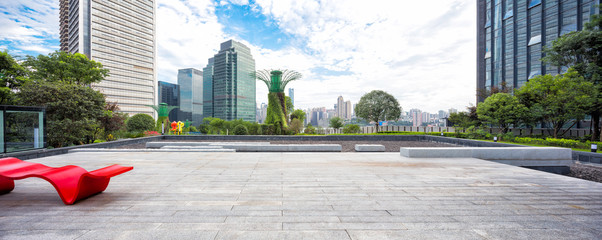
x=378, y=105
x=298, y=114
x=72, y=110
x=140, y=122
x=558, y=100
x=216, y=125
x=336, y=122
x=465, y=119
x=503, y=110
x=296, y=125
x=12, y=76
x=582, y=50
x=65, y=67
x=111, y=121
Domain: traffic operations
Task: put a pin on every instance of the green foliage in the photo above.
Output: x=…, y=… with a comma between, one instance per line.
x=72, y=110
x=275, y=112
x=267, y=129
x=111, y=121
x=241, y=130
x=376, y=106
x=192, y=129
x=296, y=126
x=140, y=122
x=351, y=128
x=12, y=76
x=65, y=67
x=568, y=143
x=298, y=114
x=559, y=99
x=216, y=125
x=309, y=129
x=503, y=110
x=276, y=80
x=336, y=122
x=254, y=128
x=289, y=104
x=463, y=120
x=445, y=134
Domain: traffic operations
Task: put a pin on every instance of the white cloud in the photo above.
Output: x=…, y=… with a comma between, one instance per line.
x=30, y=23
x=422, y=53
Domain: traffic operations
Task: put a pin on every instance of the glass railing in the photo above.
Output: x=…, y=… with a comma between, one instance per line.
x=22, y=128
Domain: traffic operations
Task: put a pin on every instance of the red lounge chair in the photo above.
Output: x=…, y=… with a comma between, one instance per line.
x=71, y=182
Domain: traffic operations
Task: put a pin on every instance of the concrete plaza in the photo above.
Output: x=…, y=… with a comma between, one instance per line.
x=305, y=196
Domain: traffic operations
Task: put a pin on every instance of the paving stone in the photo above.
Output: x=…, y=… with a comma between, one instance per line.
x=305, y=195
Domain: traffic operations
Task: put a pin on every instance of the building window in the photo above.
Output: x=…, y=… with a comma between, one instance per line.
x=534, y=40
x=534, y=73
x=534, y=3
x=508, y=14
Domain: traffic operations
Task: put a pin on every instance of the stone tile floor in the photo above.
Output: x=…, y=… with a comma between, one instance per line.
x=306, y=196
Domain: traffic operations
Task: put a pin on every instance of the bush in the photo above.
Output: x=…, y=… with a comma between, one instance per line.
x=204, y=128
x=309, y=129
x=267, y=129
x=351, y=128
x=140, y=122
x=193, y=129
x=240, y=130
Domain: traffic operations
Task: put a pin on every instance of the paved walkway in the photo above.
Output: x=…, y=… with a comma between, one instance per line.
x=306, y=195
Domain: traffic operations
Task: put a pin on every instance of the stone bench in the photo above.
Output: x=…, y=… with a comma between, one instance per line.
x=369, y=148
x=286, y=148
x=162, y=144
x=517, y=156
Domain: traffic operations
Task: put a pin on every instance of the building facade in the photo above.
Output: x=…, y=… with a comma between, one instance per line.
x=169, y=93
x=291, y=94
x=233, y=86
x=512, y=33
x=190, y=81
x=208, y=89
x=120, y=35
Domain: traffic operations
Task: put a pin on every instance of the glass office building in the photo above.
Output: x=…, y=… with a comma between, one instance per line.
x=169, y=93
x=233, y=86
x=190, y=81
x=120, y=35
x=512, y=33
x=208, y=89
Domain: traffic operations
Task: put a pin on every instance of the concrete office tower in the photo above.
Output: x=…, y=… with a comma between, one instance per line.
x=170, y=93
x=416, y=115
x=512, y=33
x=291, y=94
x=348, y=110
x=190, y=81
x=208, y=89
x=233, y=84
x=120, y=35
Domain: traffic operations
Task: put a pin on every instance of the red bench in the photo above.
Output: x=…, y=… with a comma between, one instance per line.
x=72, y=183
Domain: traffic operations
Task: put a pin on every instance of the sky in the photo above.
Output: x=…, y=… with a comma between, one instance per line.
x=421, y=52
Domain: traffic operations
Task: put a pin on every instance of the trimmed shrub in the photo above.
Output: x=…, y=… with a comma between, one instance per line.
x=351, y=128
x=267, y=129
x=240, y=130
x=140, y=122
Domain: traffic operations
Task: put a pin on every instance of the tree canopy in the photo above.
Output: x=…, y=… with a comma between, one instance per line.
x=378, y=105
x=336, y=122
x=12, y=76
x=559, y=99
x=503, y=110
x=65, y=67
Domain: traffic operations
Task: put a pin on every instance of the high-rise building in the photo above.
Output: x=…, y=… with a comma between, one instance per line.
x=169, y=93
x=348, y=110
x=233, y=85
x=120, y=35
x=208, y=89
x=340, y=107
x=416, y=115
x=291, y=94
x=190, y=81
x=512, y=33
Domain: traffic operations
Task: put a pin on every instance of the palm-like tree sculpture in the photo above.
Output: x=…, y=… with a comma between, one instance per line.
x=163, y=110
x=276, y=80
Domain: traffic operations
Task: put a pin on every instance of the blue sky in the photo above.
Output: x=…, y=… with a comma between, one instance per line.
x=422, y=52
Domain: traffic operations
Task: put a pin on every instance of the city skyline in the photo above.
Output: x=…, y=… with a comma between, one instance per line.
x=423, y=54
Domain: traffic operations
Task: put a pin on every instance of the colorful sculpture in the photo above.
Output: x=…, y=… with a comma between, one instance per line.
x=176, y=127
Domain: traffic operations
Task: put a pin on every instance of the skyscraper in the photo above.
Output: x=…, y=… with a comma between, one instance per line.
x=512, y=33
x=120, y=35
x=291, y=94
x=190, y=81
x=208, y=89
x=232, y=83
x=341, y=107
x=170, y=93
